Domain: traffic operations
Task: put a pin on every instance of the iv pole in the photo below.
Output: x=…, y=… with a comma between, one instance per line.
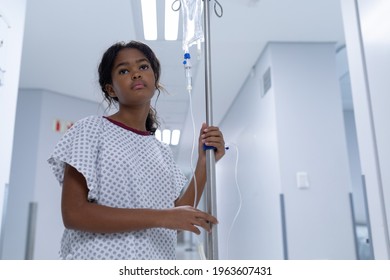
x=211, y=239
x=211, y=244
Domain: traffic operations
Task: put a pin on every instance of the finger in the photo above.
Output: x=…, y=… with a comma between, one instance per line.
x=207, y=217
x=203, y=128
x=213, y=136
x=212, y=133
x=209, y=131
x=194, y=229
x=204, y=224
x=215, y=142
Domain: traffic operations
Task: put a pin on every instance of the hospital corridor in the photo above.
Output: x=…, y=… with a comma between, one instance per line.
x=299, y=89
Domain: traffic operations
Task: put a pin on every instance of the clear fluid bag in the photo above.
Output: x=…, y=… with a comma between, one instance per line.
x=192, y=23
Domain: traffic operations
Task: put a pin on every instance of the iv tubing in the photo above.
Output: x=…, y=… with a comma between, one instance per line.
x=193, y=150
x=240, y=200
x=200, y=249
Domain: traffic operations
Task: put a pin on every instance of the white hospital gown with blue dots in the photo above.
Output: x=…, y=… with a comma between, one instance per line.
x=123, y=168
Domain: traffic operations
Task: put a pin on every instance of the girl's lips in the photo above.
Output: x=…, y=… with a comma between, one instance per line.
x=138, y=85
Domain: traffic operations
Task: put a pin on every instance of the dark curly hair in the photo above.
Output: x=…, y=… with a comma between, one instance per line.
x=105, y=78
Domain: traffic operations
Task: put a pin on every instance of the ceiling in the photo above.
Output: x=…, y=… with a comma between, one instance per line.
x=64, y=41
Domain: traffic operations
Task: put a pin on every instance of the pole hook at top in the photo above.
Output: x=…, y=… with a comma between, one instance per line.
x=219, y=12
x=218, y=9
x=178, y=5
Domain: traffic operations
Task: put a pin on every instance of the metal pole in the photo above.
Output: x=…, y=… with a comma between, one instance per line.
x=211, y=198
x=2, y=229
x=31, y=229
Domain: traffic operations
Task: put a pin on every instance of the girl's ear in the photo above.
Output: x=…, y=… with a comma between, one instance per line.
x=110, y=90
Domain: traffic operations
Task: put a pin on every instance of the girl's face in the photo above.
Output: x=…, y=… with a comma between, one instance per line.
x=133, y=81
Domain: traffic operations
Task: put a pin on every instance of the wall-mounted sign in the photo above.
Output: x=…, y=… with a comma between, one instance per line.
x=61, y=126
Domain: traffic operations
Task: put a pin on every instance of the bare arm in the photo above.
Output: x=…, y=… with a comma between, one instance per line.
x=188, y=197
x=78, y=213
x=211, y=136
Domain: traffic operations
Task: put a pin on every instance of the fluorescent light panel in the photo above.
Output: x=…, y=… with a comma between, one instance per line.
x=158, y=134
x=168, y=137
x=175, y=137
x=149, y=20
x=171, y=21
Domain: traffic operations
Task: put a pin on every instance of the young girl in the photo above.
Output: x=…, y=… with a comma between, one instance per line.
x=121, y=189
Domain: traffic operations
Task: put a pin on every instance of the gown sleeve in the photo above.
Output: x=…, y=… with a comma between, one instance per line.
x=79, y=147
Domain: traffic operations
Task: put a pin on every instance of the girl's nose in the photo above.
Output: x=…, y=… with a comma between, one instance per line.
x=136, y=76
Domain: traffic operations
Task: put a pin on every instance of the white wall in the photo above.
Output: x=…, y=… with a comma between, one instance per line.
x=11, y=33
x=312, y=139
x=257, y=231
x=367, y=26
x=31, y=177
x=297, y=126
x=21, y=182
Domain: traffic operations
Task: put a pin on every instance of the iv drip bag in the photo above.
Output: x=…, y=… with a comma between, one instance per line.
x=192, y=23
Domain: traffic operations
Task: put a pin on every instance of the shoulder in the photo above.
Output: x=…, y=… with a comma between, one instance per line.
x=90, y=120
x=86, y=126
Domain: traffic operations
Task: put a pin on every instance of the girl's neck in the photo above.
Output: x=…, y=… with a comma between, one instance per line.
x=131, y=118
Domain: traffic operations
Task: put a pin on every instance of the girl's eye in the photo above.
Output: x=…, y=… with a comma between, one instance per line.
x=123, y=71
x=144, y=67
